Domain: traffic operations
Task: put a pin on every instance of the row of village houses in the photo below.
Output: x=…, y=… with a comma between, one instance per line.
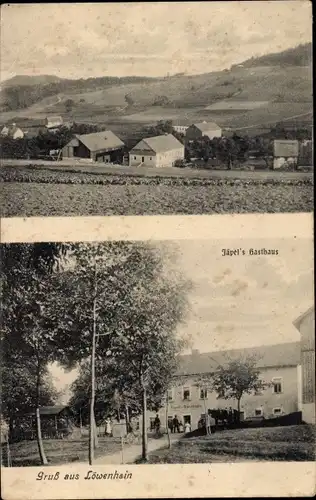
x=159, y=151
x=288, y=368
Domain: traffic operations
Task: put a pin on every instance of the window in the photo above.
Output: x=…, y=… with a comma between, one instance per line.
x=150, y=158
x=143, y=159
x=277, y=411
x=186, y=393
x=134, y=157
x=258, y=412
x=203, y=393
x=277, y=385
x=170, y=394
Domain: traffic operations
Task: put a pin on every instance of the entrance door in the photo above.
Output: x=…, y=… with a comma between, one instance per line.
x=187, y=419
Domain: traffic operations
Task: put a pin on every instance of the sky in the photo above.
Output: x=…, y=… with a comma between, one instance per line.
x=152, y=39
x=239, y=301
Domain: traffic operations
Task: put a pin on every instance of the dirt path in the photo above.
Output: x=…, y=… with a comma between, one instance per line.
x=134, y=452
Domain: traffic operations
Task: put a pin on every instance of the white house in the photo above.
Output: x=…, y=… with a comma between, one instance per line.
x=285, y=152
x=199, y=130
x=12, y=131
x=53, y=122
x=159, y=151
x=278, y=368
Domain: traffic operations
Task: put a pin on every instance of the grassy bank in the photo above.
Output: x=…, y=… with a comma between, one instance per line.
x=293, y=443
x=58, y=451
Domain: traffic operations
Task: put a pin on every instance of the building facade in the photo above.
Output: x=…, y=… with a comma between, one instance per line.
x=190, y=401
x=159, y=151
x=103, y=147
x=204, y=129
x=285, y=153
x=306, y=326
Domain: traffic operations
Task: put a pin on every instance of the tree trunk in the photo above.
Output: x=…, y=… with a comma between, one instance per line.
x=127, y=419
x=92, y=397
x=238, y=410
x=38, y=420
x=95, y=436
x=167, y=421
x=208, y=432
x=144, y=426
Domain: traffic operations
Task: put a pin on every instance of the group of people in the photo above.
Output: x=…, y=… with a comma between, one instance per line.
x=174, y=424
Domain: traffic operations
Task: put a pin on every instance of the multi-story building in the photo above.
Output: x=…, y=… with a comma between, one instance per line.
x=159, y=151
x=306, y=326
x=278, y=365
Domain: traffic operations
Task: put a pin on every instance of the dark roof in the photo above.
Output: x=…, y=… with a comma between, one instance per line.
x=159, y=143
x=298, y=321
x=101, y=141
x=53, y=410
x=285, y=148
x=267, y=356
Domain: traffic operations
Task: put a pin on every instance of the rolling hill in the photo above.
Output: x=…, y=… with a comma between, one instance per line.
x=274, y=87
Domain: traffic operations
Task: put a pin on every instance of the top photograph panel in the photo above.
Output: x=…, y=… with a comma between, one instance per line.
x=134, y=109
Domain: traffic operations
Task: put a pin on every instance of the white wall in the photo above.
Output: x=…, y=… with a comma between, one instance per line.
x=168, y=158
x=135, y=159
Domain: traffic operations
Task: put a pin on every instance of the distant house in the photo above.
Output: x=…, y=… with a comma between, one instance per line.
x=12, y=131
x=54, y=122
x=199, y=130
x=306, y=326
x=159, y=151
x=103, y=147
x=180, y=127
x=285, y=152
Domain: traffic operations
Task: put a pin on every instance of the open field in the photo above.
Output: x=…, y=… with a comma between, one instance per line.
x=47, y=192
x=59, y=451
x=293, y=443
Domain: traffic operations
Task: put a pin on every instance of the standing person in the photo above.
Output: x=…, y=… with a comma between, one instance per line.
x=187, y=427
x=108, y=427
x=176, y=424
x=157, y=424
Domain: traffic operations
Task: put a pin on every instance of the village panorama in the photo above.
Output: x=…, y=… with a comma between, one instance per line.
x=139, y=352
x=236, y=140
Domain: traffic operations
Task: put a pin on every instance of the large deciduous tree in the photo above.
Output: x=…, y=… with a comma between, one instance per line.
x=122, y=300
x=237, y=378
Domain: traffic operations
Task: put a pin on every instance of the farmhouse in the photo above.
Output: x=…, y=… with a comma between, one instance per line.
x=53, y=122
x=285, y=153
x=199, y=130
x=103, y=147
x=278, y=365
x=306, y=326
x=159, y=151
x=12, y=131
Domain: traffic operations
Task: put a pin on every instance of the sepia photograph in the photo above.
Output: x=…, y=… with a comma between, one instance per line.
x=166, y=352
x=156, y=108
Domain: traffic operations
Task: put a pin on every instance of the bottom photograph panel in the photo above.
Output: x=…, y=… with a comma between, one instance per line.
x=171, y=352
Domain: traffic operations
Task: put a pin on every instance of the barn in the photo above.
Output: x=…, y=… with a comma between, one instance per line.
x=103, y=147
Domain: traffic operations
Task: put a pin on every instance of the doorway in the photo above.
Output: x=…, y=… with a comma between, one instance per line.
x=187, y=419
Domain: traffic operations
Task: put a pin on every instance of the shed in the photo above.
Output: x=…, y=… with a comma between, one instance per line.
x=53, y=122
